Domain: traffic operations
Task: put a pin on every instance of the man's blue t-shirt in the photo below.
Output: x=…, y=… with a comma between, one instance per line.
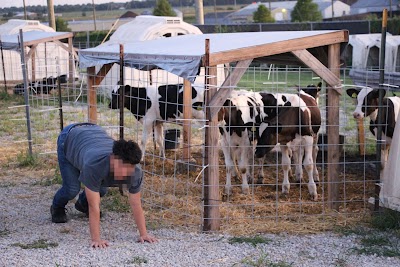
x=88, y=148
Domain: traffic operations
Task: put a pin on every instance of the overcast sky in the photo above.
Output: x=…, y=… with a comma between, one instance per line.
x=20, y=3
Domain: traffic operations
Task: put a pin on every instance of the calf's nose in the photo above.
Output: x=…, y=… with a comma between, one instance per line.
x=357, y=115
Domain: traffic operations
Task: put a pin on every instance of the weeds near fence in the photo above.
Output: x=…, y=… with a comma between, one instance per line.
x=39, y=244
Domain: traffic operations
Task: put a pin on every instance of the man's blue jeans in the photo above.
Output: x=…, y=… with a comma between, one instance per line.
x=71, y=185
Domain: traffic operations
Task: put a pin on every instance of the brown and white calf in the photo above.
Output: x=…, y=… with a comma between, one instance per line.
x=295, y=128
x=367, y=106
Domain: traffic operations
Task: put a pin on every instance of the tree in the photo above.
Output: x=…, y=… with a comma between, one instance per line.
x=306, y=10
x=163, y=8
x=262, y=15
x=62, y=25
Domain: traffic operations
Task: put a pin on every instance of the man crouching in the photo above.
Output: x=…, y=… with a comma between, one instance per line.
x=88, y=155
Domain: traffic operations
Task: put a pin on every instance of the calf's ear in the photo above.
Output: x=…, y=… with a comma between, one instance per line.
x=352, y=92
x=375, y=93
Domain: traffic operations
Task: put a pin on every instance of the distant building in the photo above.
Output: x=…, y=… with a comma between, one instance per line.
x=128, y=14
x=281, y=10
x=217, y=18
x=373, y=6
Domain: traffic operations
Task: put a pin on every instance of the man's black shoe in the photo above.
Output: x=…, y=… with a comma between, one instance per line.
x=83, y=209
x=58, y=215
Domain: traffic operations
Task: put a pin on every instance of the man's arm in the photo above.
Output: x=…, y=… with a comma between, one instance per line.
x=138, y=216
x=93, y=199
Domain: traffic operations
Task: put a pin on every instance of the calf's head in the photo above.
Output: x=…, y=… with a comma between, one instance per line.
x=115, y=100
x=367, y=101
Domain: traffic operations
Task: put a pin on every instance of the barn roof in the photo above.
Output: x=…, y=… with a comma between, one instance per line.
x=182, y=55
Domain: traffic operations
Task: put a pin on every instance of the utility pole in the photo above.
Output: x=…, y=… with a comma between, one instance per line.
x=25, y=16
x=94, y=15
x=50, y=13
x=199, y=12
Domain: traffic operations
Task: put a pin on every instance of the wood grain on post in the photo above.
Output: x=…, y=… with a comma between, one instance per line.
x=211, y=174
x=332, y=129
x=187, y=115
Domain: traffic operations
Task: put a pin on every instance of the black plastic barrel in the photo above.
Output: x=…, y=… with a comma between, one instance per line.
x=171, y=138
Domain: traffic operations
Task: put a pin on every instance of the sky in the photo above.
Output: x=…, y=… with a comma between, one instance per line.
x=20, y=3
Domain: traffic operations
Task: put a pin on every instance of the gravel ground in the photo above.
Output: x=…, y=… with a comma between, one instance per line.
x=25, y=219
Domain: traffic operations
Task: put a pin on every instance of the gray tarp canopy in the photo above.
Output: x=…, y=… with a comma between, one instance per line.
x=182, y=55
x=11, y=41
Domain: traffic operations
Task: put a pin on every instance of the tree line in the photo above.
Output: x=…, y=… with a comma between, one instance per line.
x=129, y=5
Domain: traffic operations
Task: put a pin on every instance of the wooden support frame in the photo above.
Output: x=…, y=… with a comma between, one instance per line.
x=93, y=80
x=32, y=45
x=332, y=128
x=211, y=177
x=187, y=115
x=328, y=70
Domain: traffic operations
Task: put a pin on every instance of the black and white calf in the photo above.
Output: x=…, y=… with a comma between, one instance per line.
x=238, y=118
x=295, y=128
x=43, y=86
x=367, y=106
x=153, y=106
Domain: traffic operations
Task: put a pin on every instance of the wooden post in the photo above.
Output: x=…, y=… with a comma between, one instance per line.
x=211, y=174
x=92, y=95
x=187, y=115
x=4, y=69
x=332, y=129
x=33, y=63
x=361, y=137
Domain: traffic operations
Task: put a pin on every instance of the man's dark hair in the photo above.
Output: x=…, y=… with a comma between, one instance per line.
x=128, y=151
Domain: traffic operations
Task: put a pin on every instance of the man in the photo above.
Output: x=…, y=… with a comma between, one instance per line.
x=88, y=155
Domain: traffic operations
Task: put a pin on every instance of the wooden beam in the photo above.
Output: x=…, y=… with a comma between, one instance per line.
x=94, y=79
x=231, y=81
x=336, y=37
x=211, y=172
x=69, y=48
x=361, y=136
x=32, y=55
x=32, y=50
x=327, y=75
x=101, y=74
x=187, y=115
x=92, y=95
x=332, y=129
x=71, y=61
x=50, y=39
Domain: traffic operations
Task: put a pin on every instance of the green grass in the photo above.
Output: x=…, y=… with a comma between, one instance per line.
x=114, y=201
x=4, y=232
x=381, y=240
x=386, y=220
x=379, y=245
x=137, y=260
x=25, y=159
x=263, y=261
x=254, y=241
x=39, y=244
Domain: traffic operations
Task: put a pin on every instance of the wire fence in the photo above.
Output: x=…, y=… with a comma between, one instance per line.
x=174, y=189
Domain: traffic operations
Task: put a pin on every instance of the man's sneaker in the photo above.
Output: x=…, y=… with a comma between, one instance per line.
x=83, y=209
x=58, y=215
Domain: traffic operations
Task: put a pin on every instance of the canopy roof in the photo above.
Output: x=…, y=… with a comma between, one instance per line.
x=182, y=55
x=11, y=41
